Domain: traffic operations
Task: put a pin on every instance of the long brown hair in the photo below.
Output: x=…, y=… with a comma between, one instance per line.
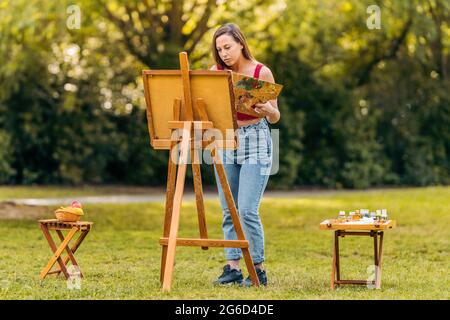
x=233, y=30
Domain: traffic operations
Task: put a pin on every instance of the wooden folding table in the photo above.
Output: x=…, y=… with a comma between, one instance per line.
x=349, y=228
x=72, y=227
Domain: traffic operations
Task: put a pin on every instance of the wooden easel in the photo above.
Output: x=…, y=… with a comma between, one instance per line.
x=58, y=226
x=175, y=186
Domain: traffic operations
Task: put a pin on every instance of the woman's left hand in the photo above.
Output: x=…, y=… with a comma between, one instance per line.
x=264, y=109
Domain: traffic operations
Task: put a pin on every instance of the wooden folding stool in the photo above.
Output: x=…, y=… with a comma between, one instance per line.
x=374, y=230
x=72, y=227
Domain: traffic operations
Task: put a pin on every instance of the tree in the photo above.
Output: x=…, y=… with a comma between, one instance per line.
x=154, y=32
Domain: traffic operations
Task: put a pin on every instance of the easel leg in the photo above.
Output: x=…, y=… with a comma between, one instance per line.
x=201, y=109
x=234, y=215
x=175, y=219
x=199, y=194
x=171, y=175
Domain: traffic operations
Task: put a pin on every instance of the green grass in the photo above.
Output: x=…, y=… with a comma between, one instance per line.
x=121, y=256
x=17, y=192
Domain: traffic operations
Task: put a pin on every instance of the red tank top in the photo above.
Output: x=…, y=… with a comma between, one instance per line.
x=243, y=116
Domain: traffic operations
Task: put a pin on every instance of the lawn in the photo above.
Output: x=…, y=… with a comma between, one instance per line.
x=121, y=256
x=36, y=192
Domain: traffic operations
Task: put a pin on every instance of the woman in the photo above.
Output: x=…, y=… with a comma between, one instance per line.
x=247, y=168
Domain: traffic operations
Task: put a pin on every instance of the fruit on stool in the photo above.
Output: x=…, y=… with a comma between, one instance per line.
x=70, y=214
x=76, y=204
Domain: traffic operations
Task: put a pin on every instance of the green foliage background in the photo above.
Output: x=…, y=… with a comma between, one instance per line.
x=359, y=108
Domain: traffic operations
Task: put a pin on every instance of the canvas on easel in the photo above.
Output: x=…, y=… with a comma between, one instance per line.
x=192, y=102
x=162, y=87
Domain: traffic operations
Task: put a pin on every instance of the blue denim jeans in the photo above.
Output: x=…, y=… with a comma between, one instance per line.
x=247, y=170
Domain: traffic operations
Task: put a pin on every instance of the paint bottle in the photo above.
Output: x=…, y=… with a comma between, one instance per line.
x=341, y=216
x=378, y=215
x=384, y=215
x=351, y=215
x=365, y=213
